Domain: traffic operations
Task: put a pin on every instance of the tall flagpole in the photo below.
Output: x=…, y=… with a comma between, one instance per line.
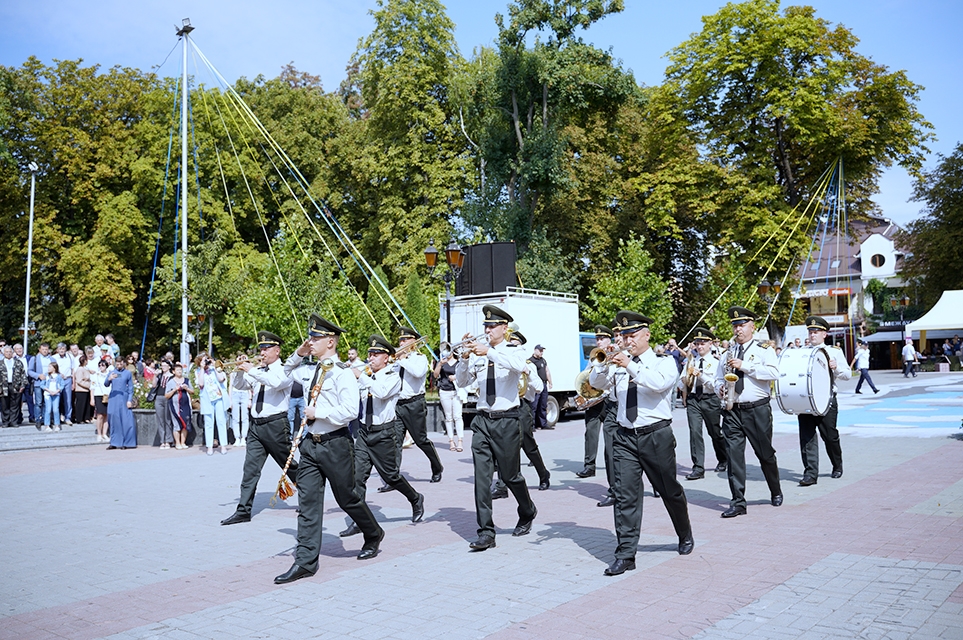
x=184, y=32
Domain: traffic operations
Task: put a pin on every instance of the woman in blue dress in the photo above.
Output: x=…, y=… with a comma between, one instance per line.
x=123, y=430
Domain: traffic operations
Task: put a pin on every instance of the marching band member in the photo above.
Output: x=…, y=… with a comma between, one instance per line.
x=497, y=435
x=376, y=441
x=412, y=367
x=702, y=404
x=527, y=422
x=750, y=419
x=644, y=441
x=826, y=425
x=268, y=433
x=601, y=417
x=327, y=451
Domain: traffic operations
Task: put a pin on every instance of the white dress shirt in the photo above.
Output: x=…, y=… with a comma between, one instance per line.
x=535, y=384
x=862, y=359
x=413, y=378
x=65, y=364
x=336, y=403
x=655, y=378
x=760, y=365
x=509, y=363
x=384, y=388
x=842, y=372
x=705, y=370
x=276, y=385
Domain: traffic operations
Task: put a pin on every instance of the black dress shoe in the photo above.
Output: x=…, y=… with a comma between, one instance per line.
x=859, y=393
x=837, y=473
x=483, y=542
x=686, y=545
x=696, y=475
x=720, y=467
x=370, y=549
x=608, y=501
x=499, y=493
x=524, y=527
x=548, y=428
x=236, y=518
x=435, y=477
x=732, y=512
x=418, y=508
x=111, y=448
x=585, y=473
x=656, y=494
x=776, y=500
x=385, y=488
x=294, y=573
x=352, y=530
x=807, y=482
x=620, y=566
x=543, y=485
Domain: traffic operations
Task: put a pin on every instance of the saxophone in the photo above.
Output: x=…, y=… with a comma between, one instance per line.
x=729, y=390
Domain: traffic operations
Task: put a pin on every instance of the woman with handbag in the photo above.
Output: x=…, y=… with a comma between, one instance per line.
x=157, y=395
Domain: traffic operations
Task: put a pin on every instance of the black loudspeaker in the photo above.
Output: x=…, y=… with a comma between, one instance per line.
x=489, y=268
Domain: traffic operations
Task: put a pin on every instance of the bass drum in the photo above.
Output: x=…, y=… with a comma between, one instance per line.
x=805, y=382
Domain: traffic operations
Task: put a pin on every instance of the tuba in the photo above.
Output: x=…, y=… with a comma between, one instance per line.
x=588, y=395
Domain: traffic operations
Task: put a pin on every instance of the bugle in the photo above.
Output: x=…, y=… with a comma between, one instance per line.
x=408, y=349
x=605, y=355
x=230, y=367
x=458, y=347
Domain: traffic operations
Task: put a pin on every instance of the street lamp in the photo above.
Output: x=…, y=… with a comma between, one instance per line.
x=26, y=305
x=455, y=257
x=901, y=304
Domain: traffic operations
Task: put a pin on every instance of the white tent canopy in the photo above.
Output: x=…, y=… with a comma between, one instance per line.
x=946, y=314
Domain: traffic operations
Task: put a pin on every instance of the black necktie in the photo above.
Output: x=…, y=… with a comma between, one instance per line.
x=490, y=385
x=698, y=389
x=632, y=399
x=741, y=382
x=259, y=404
x=368, y=411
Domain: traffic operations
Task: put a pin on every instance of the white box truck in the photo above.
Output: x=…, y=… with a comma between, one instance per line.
x=547, y=318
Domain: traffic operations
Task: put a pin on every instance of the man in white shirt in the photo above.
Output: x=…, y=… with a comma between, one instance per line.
x=497, y=432
x=38, y=373
x=412, y=367
x=756, y=365
x=327, y=451
x=702, y=404
x=268, y=433
x=861, y=362
x=825, y=425
x=66, y=365
x=644, y=442
x=909, y=359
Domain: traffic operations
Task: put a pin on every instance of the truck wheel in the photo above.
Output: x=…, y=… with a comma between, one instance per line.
x=551, y=411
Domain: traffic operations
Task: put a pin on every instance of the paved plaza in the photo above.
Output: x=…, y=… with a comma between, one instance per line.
x=127, y=544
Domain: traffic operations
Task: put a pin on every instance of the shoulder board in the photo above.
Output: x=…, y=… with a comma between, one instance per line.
x=511, y=345
x=528, y=362
x=764, y=345
x=388, y=372
x=662, y=355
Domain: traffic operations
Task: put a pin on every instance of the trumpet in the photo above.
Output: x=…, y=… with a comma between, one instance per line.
x=605, y=355
x=408, y=349
x=458, y=347
x=230, y=367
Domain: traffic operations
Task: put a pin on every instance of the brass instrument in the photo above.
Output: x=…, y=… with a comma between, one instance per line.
x=588, y=395
x=523, y=382
x=285, y=489
x=231, y=367
x=458, y=347
x=408, y=349
x=601, y=355
x=729, y=390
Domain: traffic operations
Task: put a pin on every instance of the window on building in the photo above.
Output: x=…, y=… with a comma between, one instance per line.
x=834, y=265
x=878, y=260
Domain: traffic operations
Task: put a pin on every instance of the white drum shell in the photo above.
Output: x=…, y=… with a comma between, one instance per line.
x=805, y=382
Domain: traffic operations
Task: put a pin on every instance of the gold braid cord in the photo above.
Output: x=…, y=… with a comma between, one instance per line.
x=285, y=489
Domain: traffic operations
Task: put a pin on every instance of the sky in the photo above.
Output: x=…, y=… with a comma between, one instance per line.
x=248, y=38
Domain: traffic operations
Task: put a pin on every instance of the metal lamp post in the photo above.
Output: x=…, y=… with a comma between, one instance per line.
x=455, y=257
x=901, y=304
x=26, y=305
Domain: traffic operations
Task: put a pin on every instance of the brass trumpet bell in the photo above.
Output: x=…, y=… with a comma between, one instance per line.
x=582, y=386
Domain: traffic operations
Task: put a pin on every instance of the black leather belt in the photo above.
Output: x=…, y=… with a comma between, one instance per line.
x=377, y=427
x=751, y=405
x=649, y=428
x=508, y=413
x=320, y=438
x=412, y=399
x=267, y=419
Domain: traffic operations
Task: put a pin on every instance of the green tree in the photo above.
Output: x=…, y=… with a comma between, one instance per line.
x=782, y=95
x=634, y=285
x=933, y=243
